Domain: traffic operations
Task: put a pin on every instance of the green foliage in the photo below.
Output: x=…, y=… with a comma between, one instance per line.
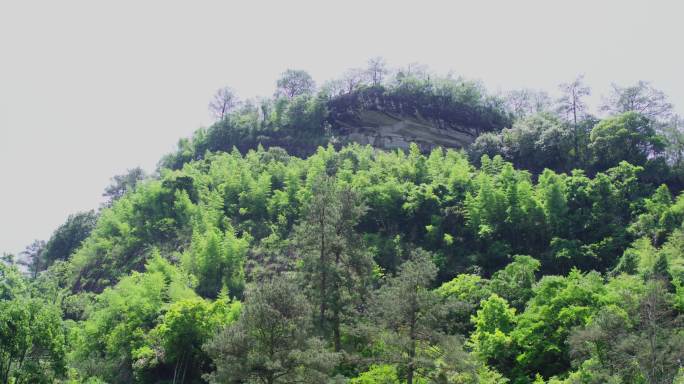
x=491, y=338
x=634, y=343
x=536, y=142
x=465, y=287
x=155, y=215
x=407, y=311
x=378, y=374
x=343, y=222
x=217, y=261
x=12, y=283
x=558, y=305
x=627, y=137
x=660, y=217
x=271, y=341
x=178, y=338
x=299, y=120
x=440, y=202
x=514, y=283
x=544, y=140
x=462, y=296
x=32, y=342
x=454, y=101
x=117, y=324
x=122, y=184
x=335, y=268
x=68, y=237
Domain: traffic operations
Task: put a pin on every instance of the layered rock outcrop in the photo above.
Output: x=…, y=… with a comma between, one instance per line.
x=388, y=130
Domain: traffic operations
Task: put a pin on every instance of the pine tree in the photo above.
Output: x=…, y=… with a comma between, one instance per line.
x=407, y=311
x=272, y=340
x=335, y=265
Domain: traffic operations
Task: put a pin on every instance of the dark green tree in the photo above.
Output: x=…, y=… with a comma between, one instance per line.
x=630, y=137
x=68, y=237
x=122, y=184
x=641, y=345
x=408, y=312
x=272, y=340
x=32, y=257
x=336, y=267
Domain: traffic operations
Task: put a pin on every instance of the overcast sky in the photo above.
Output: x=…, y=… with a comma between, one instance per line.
x=89, y=89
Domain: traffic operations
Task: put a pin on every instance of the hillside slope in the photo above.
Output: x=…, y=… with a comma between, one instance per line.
x=292, y=242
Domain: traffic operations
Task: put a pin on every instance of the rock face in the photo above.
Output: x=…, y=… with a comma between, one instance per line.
x=385, y=130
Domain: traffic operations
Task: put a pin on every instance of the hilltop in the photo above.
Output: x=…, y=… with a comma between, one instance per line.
x=432, y=112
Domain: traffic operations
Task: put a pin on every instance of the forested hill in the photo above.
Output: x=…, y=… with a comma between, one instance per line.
x=359, y=107
x=546, y=247
x=526, y=127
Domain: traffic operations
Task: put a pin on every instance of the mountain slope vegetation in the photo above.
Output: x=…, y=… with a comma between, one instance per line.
x=269, y=248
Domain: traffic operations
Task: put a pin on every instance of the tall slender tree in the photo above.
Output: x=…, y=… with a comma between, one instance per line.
x=572, y=104
x=407, y=311
x=377, y=69
x=32, y=257
x=224, y=101
x=335, y=265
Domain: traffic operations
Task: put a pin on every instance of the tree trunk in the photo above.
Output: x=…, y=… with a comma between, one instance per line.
x=324, y=274
x=7, y=371
x=184, y=368
x=574, y=114
x=336, y=315
x=336, y=332
x=412, y=345
x=412, y=356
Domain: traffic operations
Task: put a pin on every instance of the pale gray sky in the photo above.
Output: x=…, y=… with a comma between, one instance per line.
x=91, y=88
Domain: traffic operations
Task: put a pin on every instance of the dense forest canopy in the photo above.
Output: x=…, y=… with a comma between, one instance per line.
x=266, y=250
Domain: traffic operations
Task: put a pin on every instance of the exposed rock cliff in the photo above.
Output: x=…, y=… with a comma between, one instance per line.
x=428, y=115
x=390, y=131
